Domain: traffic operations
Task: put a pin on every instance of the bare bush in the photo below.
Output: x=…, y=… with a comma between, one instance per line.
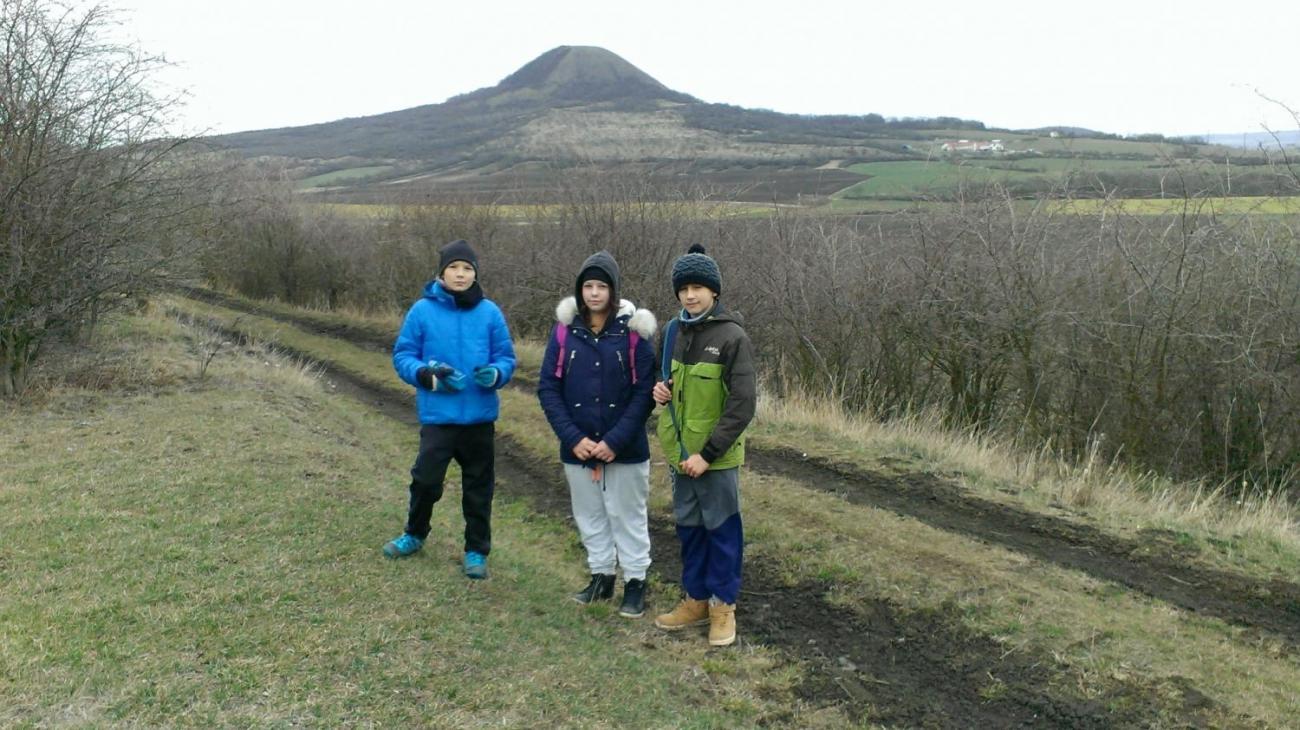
x=93, y=195
x=1170, y=342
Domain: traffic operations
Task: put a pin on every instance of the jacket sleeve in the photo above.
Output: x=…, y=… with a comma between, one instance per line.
x=638, y=406
x=502, y=349
x=550, y=391
x=742, y=398
x=408, y=349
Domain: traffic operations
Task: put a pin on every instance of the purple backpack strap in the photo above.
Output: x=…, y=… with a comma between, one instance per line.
x=561, y=334
x=633, y=338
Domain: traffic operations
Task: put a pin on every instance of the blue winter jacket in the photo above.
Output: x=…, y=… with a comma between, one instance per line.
x=594, y=395
x=435, y=329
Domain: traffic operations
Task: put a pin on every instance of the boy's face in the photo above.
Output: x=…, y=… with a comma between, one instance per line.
x=458, y=276
x=696, y=298
x=595, y=294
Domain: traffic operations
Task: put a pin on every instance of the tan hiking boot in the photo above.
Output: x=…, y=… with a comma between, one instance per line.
x=689, y=612
x=722, y=623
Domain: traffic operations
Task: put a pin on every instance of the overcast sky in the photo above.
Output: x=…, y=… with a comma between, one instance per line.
x=1124, y=67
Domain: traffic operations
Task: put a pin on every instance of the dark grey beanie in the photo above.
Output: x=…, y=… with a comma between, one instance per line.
x=697, y=267
x=458, y=250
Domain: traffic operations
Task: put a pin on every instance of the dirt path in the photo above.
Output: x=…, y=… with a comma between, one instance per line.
x=1154, y=567
x=893, y=666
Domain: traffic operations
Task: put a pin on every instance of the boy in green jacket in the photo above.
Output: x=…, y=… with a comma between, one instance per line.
x=710, y=390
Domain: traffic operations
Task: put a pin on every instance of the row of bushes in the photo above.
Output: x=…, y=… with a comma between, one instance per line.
x=1171, y=343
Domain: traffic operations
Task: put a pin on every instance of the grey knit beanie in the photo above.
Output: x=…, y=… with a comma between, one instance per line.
x=697, y=267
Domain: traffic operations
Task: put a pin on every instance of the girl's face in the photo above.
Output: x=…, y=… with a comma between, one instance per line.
x=595, y=294
x=696, y=298
x=458, y=276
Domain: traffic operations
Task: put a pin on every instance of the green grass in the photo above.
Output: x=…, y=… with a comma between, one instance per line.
x=199, y=554
x=944, y=176
x=1235, y=206
x=337, y=177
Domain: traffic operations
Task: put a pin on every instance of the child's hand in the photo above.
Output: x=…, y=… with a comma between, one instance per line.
x=584, y=448
x=603, y=452
x=486, y=376
x=663, y=392
x=445, y=377
x=694, y=466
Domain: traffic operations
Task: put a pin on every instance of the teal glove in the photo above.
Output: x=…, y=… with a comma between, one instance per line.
x=486, y=376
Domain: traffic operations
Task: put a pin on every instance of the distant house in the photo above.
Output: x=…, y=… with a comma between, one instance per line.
x=967, y=145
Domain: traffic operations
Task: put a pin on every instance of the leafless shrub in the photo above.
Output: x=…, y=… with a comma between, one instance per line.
x=1169, y=342
x=94, y=197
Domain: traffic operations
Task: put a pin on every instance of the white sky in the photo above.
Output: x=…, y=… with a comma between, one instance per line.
x=1123, y=67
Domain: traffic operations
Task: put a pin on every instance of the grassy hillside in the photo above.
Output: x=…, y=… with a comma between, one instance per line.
x=585, y=107
x=247, y=588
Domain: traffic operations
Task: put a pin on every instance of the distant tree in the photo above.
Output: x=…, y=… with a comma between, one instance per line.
x=90, y=190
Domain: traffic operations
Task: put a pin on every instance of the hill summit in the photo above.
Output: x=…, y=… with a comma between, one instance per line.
x=577, y=74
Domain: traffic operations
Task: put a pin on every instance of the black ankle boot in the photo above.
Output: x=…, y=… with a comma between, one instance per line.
x=633, y=599
x=601, y=588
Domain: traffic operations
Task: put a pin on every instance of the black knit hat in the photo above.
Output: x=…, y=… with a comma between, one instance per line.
x=697, y=267
x=457, y=250
x=599, y=266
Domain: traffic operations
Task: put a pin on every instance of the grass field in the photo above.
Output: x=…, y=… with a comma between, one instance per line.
x=1204, y=206
x=944, y=176
x=339, y=177
x=239, y=517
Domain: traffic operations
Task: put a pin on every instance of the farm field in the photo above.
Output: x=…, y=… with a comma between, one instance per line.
x=338, y=177
x=910, y=616
x=944, y=177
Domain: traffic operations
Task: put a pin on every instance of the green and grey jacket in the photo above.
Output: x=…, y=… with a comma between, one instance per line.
x=714, y=390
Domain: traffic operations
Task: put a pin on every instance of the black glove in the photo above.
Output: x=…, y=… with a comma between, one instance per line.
x=424, y=376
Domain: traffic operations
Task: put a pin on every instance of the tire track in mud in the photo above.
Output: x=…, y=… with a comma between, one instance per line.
x=876, y=662
x=1148, y=567
x=1153, y=568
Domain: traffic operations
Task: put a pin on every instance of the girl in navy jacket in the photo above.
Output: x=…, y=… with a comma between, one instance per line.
x=595, y=387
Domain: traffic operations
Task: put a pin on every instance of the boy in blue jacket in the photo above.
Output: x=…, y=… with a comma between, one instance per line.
x=595, y=387
x=455, y=348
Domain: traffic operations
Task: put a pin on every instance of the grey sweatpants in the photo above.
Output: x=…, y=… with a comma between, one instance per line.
x=611, y=516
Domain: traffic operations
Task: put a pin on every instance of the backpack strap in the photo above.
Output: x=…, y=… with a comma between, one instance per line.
x=561, y=334
x=633, y=338
x=666, y=367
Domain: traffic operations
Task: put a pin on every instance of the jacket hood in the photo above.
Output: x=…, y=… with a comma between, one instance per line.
x=434, y=290
x=467, y=299
x=642, y=321
x=602, y=261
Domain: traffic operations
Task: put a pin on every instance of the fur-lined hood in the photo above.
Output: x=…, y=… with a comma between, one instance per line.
x=642, y=321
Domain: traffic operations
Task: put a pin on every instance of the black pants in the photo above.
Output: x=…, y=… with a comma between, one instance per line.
x=472, y=448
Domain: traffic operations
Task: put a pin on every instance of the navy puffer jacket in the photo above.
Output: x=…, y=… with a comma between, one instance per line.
x=594, y=396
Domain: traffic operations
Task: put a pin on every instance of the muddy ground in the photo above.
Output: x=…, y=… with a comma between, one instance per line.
x=881, y=662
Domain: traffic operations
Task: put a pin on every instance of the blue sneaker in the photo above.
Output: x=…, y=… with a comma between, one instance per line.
x=475, y=565
x=403, y=546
